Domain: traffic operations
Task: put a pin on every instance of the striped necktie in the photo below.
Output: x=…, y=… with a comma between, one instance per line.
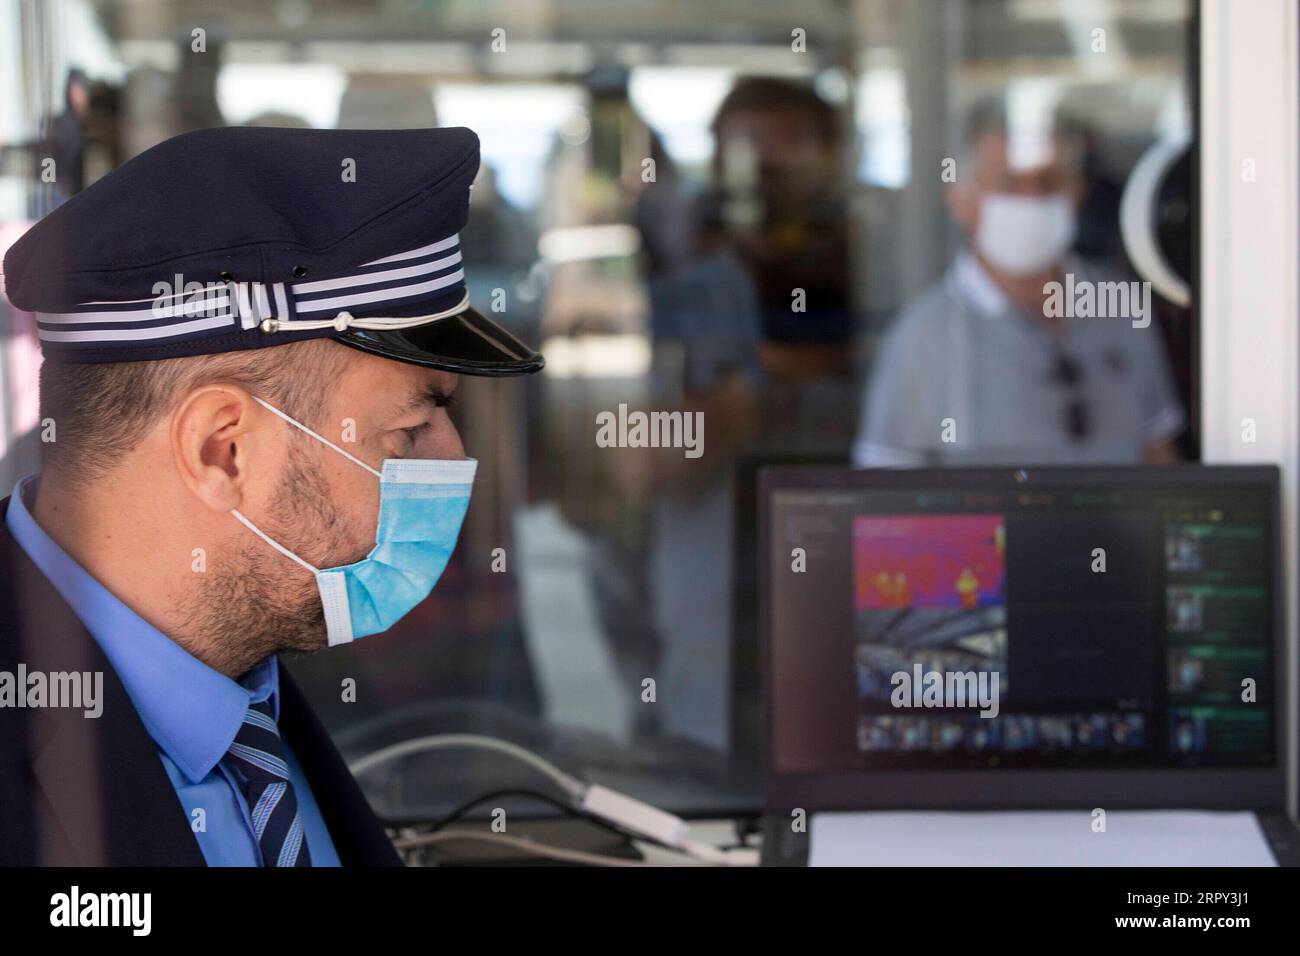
x=258, y=761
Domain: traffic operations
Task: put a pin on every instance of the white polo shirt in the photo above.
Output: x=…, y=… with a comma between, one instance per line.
x=962, y=362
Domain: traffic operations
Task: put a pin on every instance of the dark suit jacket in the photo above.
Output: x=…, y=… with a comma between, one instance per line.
x=89, y=792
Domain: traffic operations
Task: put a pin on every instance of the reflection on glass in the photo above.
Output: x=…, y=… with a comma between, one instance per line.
x=828, y=252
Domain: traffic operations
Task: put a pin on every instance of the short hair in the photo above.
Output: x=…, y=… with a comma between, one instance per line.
x=770, y=94
x=991, y=116
x=101, y=409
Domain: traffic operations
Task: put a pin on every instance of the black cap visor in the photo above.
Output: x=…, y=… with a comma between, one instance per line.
x=468, y=343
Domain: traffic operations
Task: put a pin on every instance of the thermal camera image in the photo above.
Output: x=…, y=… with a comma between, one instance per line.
x=929, y=590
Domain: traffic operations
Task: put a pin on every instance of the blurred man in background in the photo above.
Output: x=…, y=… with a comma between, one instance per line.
x=750, y=316
x=999, y=362
x=778, y=202
x=67, y=136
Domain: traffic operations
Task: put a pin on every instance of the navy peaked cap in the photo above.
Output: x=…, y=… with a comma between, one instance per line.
x=244, y=237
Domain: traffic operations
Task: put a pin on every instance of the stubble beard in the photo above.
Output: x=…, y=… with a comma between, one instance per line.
x=261, y=603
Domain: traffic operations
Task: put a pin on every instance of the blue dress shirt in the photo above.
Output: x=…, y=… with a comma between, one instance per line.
x=191, y=711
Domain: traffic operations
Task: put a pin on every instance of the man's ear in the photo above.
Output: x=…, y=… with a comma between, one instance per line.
x=212, y=441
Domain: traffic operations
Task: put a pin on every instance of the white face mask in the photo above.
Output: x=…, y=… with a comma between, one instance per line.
x=1023, y=235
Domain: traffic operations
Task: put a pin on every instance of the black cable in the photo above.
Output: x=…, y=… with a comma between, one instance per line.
x=565, y=808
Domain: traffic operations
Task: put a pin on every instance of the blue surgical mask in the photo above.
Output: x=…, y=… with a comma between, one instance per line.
x=422, y=503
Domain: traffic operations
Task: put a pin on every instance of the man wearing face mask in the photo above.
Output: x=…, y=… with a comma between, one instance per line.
x=250, y=340
x=992, y=365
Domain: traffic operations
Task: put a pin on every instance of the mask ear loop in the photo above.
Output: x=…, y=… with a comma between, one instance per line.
x=272, y=542
x=333, y=590
x=320, y=438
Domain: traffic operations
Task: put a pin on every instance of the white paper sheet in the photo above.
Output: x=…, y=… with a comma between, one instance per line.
x=1038, y=838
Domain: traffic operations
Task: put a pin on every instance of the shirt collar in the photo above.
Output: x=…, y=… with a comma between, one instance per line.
x=190, y=710
x=977, y=287
x=972, y=282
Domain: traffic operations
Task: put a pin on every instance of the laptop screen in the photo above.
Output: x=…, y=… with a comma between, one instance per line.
x=1004, y=622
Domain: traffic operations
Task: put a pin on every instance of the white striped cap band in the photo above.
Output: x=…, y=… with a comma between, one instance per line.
x=430, y=273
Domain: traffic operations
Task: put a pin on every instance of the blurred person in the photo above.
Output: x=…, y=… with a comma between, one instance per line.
x=777, y=202
x=67, y=136
x=20, y=444
x=193, y=85
x=379, y=101
x=983, y=367
x=705, y=329
x=498, y=233
x=733, y=344
x=750, y=318
x=150, y=112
